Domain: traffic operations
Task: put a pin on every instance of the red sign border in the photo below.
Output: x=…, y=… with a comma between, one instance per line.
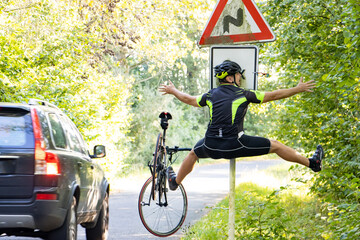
x=264, y=34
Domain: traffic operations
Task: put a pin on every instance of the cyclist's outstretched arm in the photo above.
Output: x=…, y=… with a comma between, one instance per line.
x=285, y=93
x=184, y=97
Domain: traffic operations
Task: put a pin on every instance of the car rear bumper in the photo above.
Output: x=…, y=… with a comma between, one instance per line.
x=17, y=221
x=42, y=215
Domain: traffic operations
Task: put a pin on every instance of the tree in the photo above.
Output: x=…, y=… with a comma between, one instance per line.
x=320, y=40
x=45, y=52
x=84, y=57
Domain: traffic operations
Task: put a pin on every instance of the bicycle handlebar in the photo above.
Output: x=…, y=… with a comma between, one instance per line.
x=177, y=149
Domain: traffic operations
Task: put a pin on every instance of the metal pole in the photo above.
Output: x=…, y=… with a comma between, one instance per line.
x=232, y=199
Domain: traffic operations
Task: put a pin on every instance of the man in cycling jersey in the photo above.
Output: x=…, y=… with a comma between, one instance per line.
x=225, y=137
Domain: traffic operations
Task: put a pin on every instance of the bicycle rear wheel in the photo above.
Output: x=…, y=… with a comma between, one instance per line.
x=156, y=160
x=162, y=220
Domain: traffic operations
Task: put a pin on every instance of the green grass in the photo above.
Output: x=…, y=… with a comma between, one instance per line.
x=264, y=213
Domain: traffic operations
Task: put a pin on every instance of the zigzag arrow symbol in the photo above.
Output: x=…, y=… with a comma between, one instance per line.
x=236, y=21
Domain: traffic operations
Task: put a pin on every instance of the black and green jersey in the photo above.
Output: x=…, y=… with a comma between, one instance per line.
x=228, y=105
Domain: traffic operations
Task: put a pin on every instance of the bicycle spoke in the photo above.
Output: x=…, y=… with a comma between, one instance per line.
x=158, y=220
x=175, y=211
x=168, y=218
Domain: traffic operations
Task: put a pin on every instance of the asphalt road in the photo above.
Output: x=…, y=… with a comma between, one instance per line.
x=205, y=186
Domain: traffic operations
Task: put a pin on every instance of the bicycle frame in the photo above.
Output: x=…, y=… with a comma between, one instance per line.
x=161, y=181
x=160, y=186
x=162, y=211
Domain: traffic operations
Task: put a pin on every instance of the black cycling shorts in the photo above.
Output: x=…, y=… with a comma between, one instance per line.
x=245, y=146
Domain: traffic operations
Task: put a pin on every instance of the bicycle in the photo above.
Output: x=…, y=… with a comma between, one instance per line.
x=161, y=211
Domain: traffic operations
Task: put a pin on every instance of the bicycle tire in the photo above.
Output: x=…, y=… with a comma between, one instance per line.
x=162, y=221
x=157, y=154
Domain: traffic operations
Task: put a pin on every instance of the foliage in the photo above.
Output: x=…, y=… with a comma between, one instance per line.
x=84, y=57
x=185, y=129
x=178, y=60
x=262, y=213
x=46, y=54
x=320, y=40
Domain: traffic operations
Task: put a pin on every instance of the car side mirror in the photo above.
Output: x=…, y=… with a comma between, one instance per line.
x=99, y=151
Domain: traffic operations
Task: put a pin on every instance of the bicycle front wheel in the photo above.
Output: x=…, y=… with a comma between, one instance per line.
x=165, y=216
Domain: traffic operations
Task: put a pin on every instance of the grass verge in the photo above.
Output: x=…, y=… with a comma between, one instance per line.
x=264, y=213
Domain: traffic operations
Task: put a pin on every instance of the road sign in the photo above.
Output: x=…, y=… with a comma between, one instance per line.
x=236, y=21
x=246, y=56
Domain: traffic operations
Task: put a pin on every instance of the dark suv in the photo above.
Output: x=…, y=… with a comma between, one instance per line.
x=48, y=181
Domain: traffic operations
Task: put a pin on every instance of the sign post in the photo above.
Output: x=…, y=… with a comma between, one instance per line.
x=232, y=199
x=233, y=22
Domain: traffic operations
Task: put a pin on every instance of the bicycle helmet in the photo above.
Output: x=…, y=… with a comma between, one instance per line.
x=227, y=68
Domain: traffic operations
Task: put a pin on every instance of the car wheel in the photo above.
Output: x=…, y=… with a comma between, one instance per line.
x=101, y=229
x=68, y=231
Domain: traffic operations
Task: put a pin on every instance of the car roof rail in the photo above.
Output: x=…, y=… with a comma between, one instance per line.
x=42, y=103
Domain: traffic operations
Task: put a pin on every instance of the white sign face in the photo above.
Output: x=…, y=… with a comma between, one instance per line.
x=246, y=56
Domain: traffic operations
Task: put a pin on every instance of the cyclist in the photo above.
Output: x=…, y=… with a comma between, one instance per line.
x=225, y=137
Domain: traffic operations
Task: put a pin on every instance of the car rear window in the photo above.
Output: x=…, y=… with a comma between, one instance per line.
x=15, y=128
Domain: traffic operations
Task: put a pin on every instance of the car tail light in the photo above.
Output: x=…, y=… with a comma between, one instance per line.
x=46, y=163
x=52, y=164
x=46, y=196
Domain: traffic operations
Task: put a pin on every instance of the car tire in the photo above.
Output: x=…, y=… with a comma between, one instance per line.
x=68, y=231
x=101, y=229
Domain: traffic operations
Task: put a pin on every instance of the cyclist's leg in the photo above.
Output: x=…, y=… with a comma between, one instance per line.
x=287, y=153
x=254, y=146
x=186, y=166
x=190, y=160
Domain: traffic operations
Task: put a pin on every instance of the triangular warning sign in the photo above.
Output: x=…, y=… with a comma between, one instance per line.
x=236, y=21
